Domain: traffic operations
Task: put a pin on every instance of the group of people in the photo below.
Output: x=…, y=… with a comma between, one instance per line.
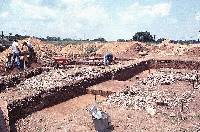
x=26, y=52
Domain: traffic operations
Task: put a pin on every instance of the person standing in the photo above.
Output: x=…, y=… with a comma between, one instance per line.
x=30, y=50
x=25, y=54
x=29, y=44
x=16, y=53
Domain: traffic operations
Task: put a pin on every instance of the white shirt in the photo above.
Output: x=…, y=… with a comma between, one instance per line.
x=14, y=47
x=29, y=44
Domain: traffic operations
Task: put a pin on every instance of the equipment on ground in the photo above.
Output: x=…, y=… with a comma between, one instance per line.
x=61, y=60
x=101, y=120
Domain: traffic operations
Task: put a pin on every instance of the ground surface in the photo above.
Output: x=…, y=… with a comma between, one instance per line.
x=73, y=115
x=113, y=86
x=68, y=116
x=3, y=116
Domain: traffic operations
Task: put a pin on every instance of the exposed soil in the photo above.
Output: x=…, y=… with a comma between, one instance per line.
x=67, y=116
x=73, y=115
x=114, y=86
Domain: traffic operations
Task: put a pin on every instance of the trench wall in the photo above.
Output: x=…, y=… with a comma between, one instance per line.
x=4, y=119
x=3, y=127
x=21, y=108
x=176, y=64
x=99, y=92
x=128, y=72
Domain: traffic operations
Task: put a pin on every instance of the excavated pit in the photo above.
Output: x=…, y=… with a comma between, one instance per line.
x=23, y=107
x=20, y=108
x=72, y=115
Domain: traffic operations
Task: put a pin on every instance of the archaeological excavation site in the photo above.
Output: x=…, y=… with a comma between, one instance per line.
x=147, y=87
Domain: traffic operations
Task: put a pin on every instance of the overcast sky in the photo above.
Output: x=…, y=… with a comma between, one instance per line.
x=111, y=19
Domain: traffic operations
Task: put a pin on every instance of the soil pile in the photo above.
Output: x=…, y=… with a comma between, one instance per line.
x=80, y=49
x=194, y=51
x=120, y=49
x=169, y=49
x=3, y=55
x=43, y=50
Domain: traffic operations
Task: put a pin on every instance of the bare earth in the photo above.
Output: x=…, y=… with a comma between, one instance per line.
x=73, y=116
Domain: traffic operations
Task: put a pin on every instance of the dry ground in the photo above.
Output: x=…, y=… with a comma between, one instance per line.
x=73, y=115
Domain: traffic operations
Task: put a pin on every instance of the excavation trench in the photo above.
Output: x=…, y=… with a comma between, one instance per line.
x=21, y=108
x=12, y=80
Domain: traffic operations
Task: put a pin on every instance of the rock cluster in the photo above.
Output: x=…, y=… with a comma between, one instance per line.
x=14, y=79
x=169, y=77
x=142, y=96
x=54, y=78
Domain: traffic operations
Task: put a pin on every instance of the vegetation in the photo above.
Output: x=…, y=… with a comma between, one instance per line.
x=53, y=38
x=100, y=40
x=121, y=40
x=143, y=37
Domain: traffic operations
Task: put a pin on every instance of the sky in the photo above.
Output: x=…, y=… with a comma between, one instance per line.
x=111, y=19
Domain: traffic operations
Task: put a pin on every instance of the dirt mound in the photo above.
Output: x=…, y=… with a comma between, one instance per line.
x=122, y=48
x=43, y=50
x=136, y=50
x=169, y=49
x=80, y=49
x=4, y=55
x=115, y=48
x=194, y=51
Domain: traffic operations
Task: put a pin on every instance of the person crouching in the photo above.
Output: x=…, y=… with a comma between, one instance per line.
x=108, y=58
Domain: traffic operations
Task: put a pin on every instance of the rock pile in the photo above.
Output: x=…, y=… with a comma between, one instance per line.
x=14, y=79
x=52, y=79
x=143, y=97
x=169, y=77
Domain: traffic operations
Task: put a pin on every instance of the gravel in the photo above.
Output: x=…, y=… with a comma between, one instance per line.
x=143, y=97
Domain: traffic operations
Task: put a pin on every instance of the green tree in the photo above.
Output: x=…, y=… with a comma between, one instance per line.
x=143, y=37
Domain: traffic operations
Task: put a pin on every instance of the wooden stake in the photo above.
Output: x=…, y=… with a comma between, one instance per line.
x=182, y=106
x=193, y=84
x=95, y=98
